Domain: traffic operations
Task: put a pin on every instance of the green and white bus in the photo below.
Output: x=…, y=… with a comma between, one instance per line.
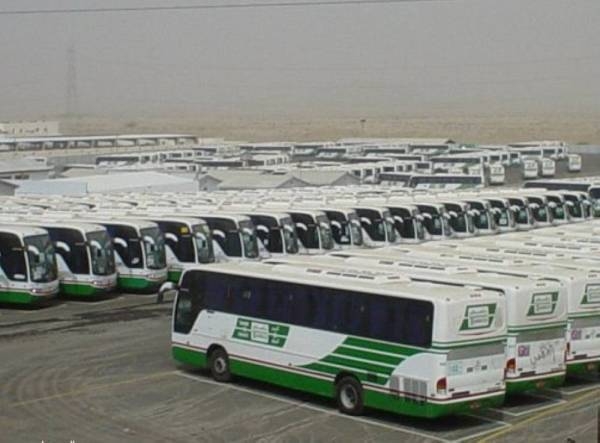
x=365, y=339
x=28, y=271
x=581, y=278
x=188, y=241
x=84, y=256
x=140, y=254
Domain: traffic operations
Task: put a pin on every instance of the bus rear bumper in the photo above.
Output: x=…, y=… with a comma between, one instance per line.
x=535, y=382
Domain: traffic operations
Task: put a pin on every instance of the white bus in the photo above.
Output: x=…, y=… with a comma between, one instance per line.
x=536, y=311
x=139, y=251
x=529, y=167
x=574, y=164
x=547, y=167
x=365, y=339
x=28, y=270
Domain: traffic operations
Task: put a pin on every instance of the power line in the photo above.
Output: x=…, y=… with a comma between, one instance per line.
x=259, y=5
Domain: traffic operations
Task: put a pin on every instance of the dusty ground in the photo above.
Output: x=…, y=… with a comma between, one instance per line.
x=573, y=128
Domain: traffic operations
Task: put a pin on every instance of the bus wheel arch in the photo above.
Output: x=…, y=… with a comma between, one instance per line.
x=349, y=394
x=218, y=363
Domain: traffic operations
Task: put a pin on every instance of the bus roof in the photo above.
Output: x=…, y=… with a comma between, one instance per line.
x=21, y=231
x=380, y=283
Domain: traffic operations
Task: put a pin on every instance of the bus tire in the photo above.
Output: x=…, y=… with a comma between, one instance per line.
x=349, y=395
x=218, y=362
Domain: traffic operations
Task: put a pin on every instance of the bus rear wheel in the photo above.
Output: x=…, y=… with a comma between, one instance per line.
x=219, y=365
x=349, y=396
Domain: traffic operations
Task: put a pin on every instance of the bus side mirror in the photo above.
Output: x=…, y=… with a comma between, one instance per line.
x=262, y=228
x=302, y=226
x=119, y=241
x=165, y=287
x=365, y=220
x=62, y=245
x=172, y=237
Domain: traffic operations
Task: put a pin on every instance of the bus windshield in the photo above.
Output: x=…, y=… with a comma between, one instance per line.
x=340, y=227
x=249, y=239
x=154, y=247
x=355, y=229
x=325, y=232
x=373, y=223
x=390, y=229
x=574, y=206
x=102, y=253
x=42, y=263
x=290, y=237
x=204, y=244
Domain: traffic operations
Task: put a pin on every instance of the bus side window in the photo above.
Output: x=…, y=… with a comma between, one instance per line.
x=216, y=292
x=419, y=319
x=357, y=314
x=276, y=301
x=301, y=307
x=379, y=324
x=321, y=307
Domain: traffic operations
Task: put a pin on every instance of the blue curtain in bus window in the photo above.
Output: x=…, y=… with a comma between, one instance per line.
x=216, y=292
x=397, y=320
x=356, y=314
x=276, y=302
x=321, y=302
x=301, y=306
x=378, y=318
x=419, y=321
x=337, y=315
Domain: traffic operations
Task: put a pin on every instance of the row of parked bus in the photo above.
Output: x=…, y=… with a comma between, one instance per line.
x=340, y=292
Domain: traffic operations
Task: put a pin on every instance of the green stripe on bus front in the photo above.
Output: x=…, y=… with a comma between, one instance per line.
x=20, y=297
x=380, y=346
x=189, y=357
x=81, y=290
x=368, y=355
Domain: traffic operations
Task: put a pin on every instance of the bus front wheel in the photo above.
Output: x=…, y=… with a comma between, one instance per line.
x=219, y=365
x=349, y=395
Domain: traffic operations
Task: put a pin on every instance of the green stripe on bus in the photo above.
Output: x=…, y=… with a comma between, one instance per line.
x=333, y=370
x=539, y=328
x=325, y=387
x=367, y=355
x=380, y=346
x=355, y=364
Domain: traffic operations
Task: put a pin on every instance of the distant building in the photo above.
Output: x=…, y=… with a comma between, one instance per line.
x=108, y=183
x=25, y=169
x=29, y=129
x=233, y=179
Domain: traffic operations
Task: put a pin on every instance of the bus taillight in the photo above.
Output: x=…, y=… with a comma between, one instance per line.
x=511, y=366
x=442, y=386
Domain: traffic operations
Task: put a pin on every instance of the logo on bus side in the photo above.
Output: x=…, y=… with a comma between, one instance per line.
x=543, y=304
x=592, y=295
x=478, y=317
x=261, y=332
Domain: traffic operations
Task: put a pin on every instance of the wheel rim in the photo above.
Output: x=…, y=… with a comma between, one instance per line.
x=348, y=397
x=220, y=365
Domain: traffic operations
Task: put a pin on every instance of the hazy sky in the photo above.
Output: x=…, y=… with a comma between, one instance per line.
x=464, y=56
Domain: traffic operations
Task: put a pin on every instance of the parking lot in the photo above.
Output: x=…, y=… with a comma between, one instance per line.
x=101, y=371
